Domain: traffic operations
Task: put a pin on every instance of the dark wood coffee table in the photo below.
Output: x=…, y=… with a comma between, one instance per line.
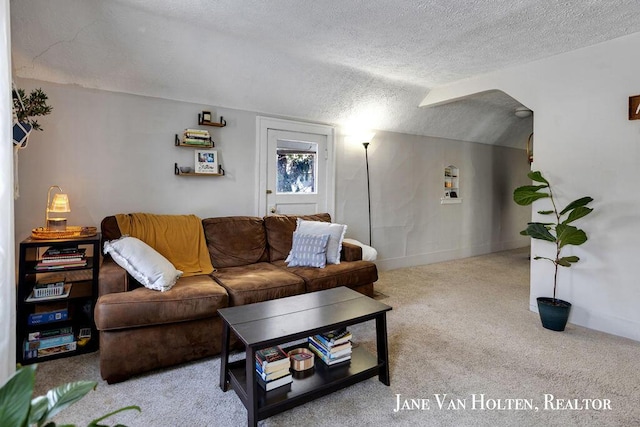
x=283, y=320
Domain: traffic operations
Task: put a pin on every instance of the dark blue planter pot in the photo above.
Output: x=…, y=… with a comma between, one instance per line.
x=554, y=313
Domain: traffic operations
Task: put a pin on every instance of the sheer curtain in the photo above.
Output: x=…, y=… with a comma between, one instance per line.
x=7, y=240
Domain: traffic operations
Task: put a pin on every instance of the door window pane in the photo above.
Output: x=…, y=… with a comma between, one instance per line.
x=296, y=167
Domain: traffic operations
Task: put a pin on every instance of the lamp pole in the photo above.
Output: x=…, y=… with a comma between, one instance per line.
x=366, y=156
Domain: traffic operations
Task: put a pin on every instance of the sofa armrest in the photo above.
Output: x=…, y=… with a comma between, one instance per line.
x=350, y=252
x=113, y=278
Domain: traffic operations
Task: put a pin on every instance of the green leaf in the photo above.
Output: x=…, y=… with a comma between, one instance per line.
x=576, y=203
x=38, y=412
x=65, y=395
x=537, y=176
x=568, y=260
x=539, y=230
x=577, y=213
x=94, y=423
x=545, y=212
x=528, y=194
x=15, y=397
x=570, y=235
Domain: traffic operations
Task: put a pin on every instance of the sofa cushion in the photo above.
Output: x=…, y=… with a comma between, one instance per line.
x=335, y=232
x=235, y=240
x=191, y=298
x=280, y=230
x=144, y=263
x=349, y=274
x=258, y=282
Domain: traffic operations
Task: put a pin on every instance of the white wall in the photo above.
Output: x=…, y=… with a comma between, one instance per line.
x=7, y=264
x=585, y=144
x=410, y=225
x=114, y=152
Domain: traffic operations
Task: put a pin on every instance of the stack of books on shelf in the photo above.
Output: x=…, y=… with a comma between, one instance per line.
x=332, y=347
x=272, y=367
x=197, y=137
x=61, y=258
x=49, y=342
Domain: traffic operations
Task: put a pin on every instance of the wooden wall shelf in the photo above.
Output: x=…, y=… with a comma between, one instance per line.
x=179, y=143
x=176, y=171
x=220, y=124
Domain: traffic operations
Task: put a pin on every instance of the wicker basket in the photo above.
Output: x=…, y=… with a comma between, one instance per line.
x=72, y=232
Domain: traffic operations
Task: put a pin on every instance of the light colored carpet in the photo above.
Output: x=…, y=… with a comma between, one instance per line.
x=461, y=329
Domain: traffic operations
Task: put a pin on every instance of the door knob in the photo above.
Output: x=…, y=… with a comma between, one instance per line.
x=273, y=209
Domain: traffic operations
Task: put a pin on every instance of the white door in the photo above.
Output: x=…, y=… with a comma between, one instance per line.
x=296, y=172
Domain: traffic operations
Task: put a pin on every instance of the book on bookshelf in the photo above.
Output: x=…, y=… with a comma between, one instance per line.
x=37, y=335
x=64, y=348
x=60, y=265
x=75, y=254
x=270, y=385
x=272, y=359
x=48, y=342
x=48, y=316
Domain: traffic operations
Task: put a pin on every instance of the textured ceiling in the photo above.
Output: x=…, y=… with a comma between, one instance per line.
x=367, y=63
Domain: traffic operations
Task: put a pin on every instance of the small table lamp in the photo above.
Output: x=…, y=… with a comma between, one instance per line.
x=59, y=204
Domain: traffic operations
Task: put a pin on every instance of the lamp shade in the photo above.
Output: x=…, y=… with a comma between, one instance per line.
x=60, y=203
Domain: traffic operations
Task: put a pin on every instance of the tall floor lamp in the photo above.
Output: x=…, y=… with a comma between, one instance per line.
x=366, y=156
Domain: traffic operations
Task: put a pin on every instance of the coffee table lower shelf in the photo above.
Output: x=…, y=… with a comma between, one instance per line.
x=306, y=386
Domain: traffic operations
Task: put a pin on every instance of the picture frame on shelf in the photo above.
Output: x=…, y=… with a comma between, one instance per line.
x=206, y=116
x=206, y=161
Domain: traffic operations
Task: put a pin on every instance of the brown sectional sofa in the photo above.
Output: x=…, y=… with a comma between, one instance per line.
x=143, y=329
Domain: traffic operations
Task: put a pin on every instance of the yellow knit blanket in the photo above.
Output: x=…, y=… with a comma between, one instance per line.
x=179, y=238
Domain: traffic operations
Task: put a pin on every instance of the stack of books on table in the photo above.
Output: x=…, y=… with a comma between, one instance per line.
x=197, y=137
x=48, y=342
x=272, y=367
x=61, y=258
x=332, y=347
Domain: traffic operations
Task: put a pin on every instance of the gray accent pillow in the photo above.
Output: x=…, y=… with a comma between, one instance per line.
x=308, y=250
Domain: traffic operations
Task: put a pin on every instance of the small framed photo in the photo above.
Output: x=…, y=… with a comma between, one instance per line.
x=206, y=116
x=206, y=161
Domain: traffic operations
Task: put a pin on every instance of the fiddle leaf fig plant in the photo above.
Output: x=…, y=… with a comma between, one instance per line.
x=19, y=409
x=560, y=229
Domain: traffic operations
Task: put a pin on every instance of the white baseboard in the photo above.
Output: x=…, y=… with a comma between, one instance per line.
x=448, y=255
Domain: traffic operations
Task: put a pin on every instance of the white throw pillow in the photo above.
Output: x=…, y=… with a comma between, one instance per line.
x=308, y=250
x=368, y=253
x=143, y=262
x=335, y=232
